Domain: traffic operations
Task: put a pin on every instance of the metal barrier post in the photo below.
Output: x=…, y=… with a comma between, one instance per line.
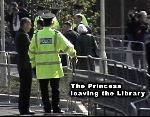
x=3, y=70
x=73, y=71
x=144, y=57
x=69, y=79
x=134, y=111
x=9, y=78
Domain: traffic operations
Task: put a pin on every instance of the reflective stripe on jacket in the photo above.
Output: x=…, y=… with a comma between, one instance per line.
x=44, y=53
x=35, y=21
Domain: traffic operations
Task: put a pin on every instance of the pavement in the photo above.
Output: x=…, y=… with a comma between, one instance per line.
x=9, y=107
x=9, y=111
x=13, y=111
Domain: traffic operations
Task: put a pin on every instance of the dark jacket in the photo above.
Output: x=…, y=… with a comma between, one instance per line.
x=136, y=31
x=24, y=68
x=72, y=37
x=86, y=45
x=22, y=42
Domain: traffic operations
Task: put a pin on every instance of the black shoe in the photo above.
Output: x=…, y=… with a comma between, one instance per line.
x=57, y=111
x=27, y=113
x=47, y=112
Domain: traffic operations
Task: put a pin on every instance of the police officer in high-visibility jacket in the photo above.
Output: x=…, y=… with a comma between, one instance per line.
x=55, y=24
x=38, y=17
x=44, y=55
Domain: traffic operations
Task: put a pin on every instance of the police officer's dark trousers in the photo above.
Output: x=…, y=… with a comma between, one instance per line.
x=45, y=94
x=25, y=75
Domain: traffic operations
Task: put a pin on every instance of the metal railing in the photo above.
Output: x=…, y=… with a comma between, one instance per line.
x=140, y=107
x=123, y=51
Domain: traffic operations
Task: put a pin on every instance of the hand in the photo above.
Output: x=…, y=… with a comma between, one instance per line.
x=34, y=71
x=74, y=59
x=139, y=31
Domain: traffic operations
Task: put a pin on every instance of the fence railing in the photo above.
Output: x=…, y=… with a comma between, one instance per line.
x=141, y=107
x=129, y=52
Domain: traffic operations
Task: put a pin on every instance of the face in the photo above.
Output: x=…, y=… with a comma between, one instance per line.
x=27, y=26
x=64, y=28
x=77, y=19
x=143, y=18
x=14, y=8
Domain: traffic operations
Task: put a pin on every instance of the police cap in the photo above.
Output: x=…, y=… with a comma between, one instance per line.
x=48, y=15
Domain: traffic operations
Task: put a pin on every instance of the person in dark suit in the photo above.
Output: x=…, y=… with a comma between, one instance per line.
x=22, y=42
x=71, y=35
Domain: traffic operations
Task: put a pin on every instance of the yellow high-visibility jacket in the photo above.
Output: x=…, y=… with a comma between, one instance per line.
x=84, y=21
x=35, y=21
x=55, y=24
x=44, y=53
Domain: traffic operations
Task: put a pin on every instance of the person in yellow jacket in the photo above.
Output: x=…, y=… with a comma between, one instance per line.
x=84, y=21
x=78, y=9
x=55, y=24
x=38, y=17
x=44, y=56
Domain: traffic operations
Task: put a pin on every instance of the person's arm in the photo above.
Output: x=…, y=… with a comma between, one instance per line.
x=65, y=45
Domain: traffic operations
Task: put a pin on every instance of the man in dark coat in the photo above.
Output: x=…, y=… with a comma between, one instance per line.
x=71, y=35
x=137, y=29
x=22, y=42
x=86, y=45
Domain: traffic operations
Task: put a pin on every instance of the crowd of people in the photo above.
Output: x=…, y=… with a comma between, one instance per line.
x=137, y=32
x=38, y=44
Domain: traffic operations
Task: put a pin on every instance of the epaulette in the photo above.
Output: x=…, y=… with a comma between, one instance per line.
x=89, y=34
x=56, y=31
